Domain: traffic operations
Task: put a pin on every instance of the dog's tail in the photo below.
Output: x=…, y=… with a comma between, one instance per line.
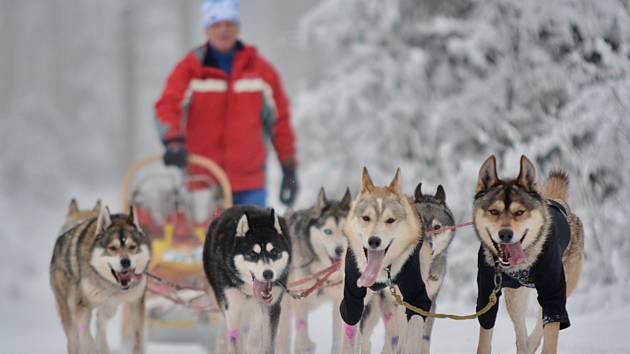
x=556, y=186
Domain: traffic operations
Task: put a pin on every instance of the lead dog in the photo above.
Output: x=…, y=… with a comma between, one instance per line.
x=383, y=231
x=99, y=263
x=531, y=236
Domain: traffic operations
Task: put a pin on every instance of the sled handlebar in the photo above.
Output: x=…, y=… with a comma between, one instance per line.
x=197, y=160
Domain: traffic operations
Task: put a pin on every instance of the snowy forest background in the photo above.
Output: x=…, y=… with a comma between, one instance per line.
x=431, y=86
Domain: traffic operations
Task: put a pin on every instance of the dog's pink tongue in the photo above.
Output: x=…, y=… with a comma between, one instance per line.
x=127, y=275
x=373, y=268
x=260, y=288
x=513, y=252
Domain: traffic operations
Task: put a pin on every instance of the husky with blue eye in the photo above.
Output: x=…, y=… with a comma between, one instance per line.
x=246, y=258
x=317, y=242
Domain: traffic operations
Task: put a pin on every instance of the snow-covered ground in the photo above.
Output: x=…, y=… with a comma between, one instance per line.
x=29, y=324
x=34, y=329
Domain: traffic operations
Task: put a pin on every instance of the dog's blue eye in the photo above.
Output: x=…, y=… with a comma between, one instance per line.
x=328, y=232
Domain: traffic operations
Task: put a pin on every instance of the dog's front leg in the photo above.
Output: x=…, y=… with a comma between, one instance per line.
x=283, y=339
x=235, y=301
x=390, y=321
x=485, y=341
x=516, y=303
x=550, y=338
x=67, y=311
x=351, y=339
x=426, y=333
x=103, y=315
x=533, y=341
x=272, y=316
x=136, y=317
x=336, y=328
x=303, y=343
x=413, y=335
x=83, y=318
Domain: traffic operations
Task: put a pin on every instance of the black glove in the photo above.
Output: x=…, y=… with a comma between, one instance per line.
x=289, y=186
x=175, y=154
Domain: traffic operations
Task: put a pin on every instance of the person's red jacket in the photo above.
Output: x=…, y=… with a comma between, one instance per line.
x=227, y=118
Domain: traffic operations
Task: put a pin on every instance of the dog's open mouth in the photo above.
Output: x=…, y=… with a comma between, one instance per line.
x=510, y=254
x=262, y=290
x=373, y=267
x=125, y=278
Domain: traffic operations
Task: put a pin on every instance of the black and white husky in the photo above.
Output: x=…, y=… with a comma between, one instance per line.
x=246, y=259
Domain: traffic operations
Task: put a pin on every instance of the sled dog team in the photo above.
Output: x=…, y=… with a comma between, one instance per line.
x=383, y=239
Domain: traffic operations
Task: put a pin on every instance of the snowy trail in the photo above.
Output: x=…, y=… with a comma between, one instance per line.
x=35, y=329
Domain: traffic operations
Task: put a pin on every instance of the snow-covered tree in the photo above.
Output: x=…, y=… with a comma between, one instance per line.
x=435, y=87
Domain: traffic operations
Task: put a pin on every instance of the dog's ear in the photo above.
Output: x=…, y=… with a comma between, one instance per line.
x=487, y=174
x=346, y=200
x=527, y=177
x=276, y=221
x=73, y=207
x=321, y=202
x=440, y=194
x=417, y=194
x=366, y=182
x=394, y=185
x=97, y=206
x=243, y=226
x=104, y=219
x=133, y=217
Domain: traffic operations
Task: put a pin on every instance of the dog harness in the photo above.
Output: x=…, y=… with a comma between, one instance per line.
x=409, y=281
x=546, y=275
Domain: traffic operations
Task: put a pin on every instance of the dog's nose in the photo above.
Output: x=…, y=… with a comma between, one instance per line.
x=374, y=241
x=505, y=235
x=339, y=251
x=125, y=263
x=268, y=275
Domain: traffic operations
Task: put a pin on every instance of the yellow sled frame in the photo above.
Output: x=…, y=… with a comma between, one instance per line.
x=159, y=247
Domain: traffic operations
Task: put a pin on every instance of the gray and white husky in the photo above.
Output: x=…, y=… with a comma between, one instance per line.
x=98, y=263
x=246, y=258
x=318, y=242
x=434, y=214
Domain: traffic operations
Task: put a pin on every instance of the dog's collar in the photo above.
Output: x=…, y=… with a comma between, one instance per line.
x=389, y=282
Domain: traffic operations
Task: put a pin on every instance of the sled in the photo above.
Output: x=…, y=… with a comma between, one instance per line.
x=179, y=304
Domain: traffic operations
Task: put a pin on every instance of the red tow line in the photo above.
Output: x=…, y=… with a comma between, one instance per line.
x=320, y=283
x=452, y=227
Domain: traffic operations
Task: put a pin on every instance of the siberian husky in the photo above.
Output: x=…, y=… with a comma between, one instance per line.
x=246, y=258
x=383, y=231
x=435, y=214
x=534, y=240
x=317, y=242
x=99, y=263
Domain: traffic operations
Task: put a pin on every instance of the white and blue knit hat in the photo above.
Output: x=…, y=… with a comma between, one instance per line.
x=213, y=11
